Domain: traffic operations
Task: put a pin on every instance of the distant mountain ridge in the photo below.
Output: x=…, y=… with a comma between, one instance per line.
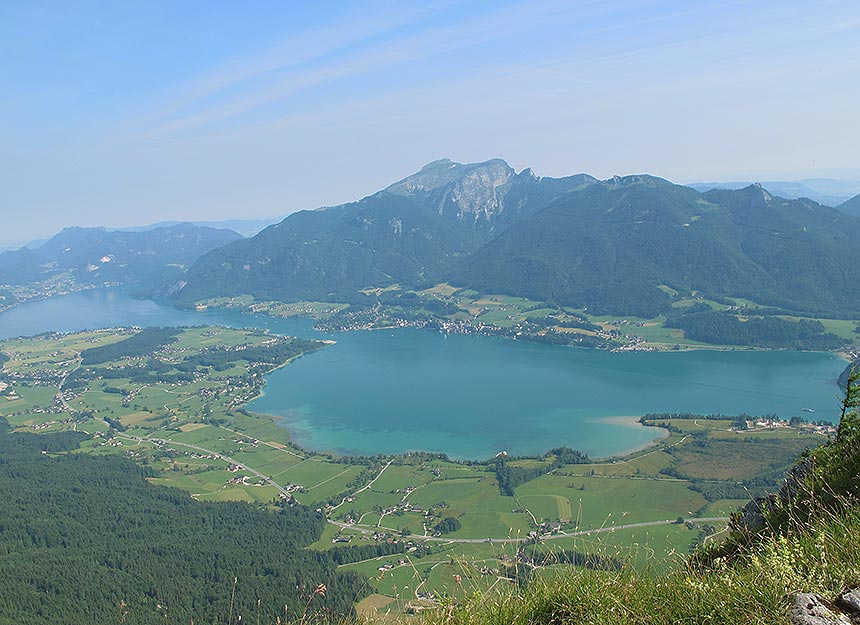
x=852, y=206
x=826, y=191
x=244, y=227
x=96, y=255
x=612, y=245
x=410, y=233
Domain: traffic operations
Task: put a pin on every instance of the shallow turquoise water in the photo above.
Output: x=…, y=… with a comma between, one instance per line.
x=472, y=396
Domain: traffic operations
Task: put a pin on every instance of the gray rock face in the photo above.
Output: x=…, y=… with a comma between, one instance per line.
x=752, y=514
x=470, y=192
x=850, y=602
x=752, y=519
x=809, y=609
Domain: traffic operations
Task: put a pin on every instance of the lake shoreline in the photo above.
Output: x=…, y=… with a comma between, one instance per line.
x=634, y=344
x=472, y=396
x=635, y=422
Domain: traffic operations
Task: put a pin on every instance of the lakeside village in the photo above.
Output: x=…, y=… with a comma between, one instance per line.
x=239, y=389
x=542, y=330
x=64, y=284
x=745, y=423
x=794, y=423
x=553, y=327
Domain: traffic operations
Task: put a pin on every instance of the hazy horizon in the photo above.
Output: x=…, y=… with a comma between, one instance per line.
x=14, y=243
x=128, y=115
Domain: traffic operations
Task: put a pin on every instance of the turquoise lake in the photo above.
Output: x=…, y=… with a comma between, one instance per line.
x=471, y=396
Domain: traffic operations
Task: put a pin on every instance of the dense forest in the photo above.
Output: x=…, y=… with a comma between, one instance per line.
x=510, y=476
x=87, y=540
x=143, y=343
x=770, y=331
x=609, y=246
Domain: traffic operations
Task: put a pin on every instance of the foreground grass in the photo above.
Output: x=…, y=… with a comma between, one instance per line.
x=753, y=588
x=805, y=541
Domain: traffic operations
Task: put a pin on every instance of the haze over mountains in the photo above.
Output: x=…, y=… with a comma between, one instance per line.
x=827, y=191
x=94, y=256
x=617, y=246
x=852, y=206
x=607, y=245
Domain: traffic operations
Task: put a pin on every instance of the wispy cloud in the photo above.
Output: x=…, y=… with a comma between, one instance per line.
x=302, y=116
x=246, y=74
x=374, y=46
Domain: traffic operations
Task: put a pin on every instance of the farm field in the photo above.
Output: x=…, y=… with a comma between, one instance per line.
x=174, y=404
x=465, y=310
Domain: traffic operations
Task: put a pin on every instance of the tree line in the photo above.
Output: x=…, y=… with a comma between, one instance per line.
x=769, y=331
x=84, y=537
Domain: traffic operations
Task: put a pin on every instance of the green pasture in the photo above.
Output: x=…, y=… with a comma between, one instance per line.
x=622, y=492
x=739, y=459
x=655, y=548
x=593, y=502
x=649, y=463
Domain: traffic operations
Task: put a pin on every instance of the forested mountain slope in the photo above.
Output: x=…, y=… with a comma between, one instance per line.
x=86, y=540
x=604, y=245
x=852, y=206
x=410, y=233
x=610, y=245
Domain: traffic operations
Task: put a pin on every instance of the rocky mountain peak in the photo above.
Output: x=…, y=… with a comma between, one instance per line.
x=466, y=192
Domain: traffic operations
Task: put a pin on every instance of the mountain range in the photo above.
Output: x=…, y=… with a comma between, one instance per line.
x=412, y=232
x=827, y=191
x=93, y=256
x=852, y=206
x=609, y=245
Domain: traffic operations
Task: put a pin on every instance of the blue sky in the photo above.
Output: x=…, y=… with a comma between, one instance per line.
x=123, y=113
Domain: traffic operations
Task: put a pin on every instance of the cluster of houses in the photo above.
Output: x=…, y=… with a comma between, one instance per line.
x=7, y=392
x=547, y=528
x=242, y=480
x=634, y=344
x=58, y=285
x=770, y=423
x=61, y=401
x=388, y=566
x=47, y=424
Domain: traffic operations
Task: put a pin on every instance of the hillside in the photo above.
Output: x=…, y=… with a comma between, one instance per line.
x=93, y=256
x=788, y=558
x=602, y=245
x=826, y=191
x=852, y=206
x=87, y=540
x=610, y=245
x=409, y=233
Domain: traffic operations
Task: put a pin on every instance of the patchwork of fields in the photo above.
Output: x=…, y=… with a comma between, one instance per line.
x=177, y=409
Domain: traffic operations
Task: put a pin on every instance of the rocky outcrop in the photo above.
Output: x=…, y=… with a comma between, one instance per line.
x=810, y=609
x=849, y=602
x=471, y=193
x=751, y=518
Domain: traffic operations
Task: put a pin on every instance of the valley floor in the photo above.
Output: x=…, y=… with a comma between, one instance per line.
x=460, y=529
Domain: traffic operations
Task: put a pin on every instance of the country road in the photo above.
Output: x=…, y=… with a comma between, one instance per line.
x=440, y=539
x=164, y=441
x=599, y=530
x=363, y=488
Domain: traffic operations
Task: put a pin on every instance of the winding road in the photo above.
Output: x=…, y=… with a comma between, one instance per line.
x=372, y=530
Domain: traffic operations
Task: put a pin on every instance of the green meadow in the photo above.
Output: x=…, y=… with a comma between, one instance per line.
x=188, y=426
